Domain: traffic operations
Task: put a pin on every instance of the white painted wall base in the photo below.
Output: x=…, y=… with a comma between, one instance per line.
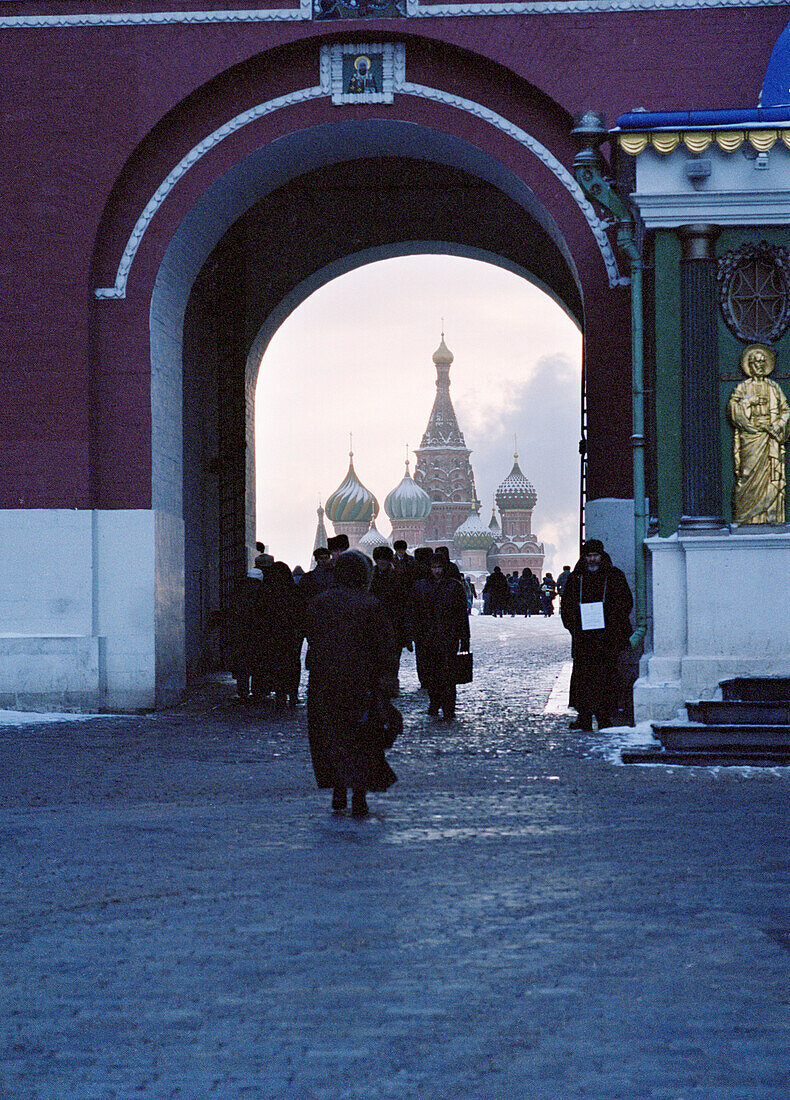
x=719, y=610
x=91, y=610
x=611, y=520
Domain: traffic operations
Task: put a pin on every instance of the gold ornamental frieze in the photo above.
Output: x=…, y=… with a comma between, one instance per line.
x=697, y=141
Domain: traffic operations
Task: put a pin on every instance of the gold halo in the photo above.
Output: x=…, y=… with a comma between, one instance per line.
x=362, y=57
x=769, y=353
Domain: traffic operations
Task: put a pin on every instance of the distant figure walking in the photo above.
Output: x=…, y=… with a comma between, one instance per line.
x=595, y=608
x=350, y=642
x=498, y=591
x=438, y=621
x=548, y=590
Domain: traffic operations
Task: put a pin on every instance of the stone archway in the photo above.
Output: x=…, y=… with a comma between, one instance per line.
x=317, y=225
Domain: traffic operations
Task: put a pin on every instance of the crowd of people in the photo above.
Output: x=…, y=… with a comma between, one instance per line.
x=358, y=616
x=527, y=594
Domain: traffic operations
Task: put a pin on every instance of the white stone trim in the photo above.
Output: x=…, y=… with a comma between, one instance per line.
x=669, y=210
x=414, y=10
x=544, y=156
x=118, y=289
x=327, y=83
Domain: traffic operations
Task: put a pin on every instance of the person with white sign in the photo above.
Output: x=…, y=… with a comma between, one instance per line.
x=595, y=608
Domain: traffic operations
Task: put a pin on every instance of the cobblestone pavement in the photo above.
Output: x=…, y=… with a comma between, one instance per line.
x=183, y=917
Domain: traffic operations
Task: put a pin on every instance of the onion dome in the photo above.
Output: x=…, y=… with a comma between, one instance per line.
x=407, y=500
x=516, y=494
x=473, y=534
x=351, y=502
x=493, y=526
x=443, y=354
x=372, y=539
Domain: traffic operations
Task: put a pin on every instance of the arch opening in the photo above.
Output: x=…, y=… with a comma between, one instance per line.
x=285, y=221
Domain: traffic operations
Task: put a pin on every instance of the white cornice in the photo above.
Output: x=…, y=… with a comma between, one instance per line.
x=402, y=87
x=668, y=211
x=415, y=10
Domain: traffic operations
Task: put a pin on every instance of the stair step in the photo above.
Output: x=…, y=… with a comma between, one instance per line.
x=698, y=735
x=760, y=688
x=740, y=712
x=707, y=758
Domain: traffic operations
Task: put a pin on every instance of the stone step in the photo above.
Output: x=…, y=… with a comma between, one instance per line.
x=740, y=712
x=762, y=688
x=709, y=758
x=709, y=736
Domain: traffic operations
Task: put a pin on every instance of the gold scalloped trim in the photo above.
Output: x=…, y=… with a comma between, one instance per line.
x=763, y=140
x=633, y=143
x=697, y=141
x=665, y=143
x=730, y=140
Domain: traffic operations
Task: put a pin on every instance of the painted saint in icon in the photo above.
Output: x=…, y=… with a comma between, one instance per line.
x=362, y=78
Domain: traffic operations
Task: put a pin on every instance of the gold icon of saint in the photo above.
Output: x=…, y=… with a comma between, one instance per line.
x=760, y=415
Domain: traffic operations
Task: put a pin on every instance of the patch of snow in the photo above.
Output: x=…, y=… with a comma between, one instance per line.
x=32, y=718
x=610, y=742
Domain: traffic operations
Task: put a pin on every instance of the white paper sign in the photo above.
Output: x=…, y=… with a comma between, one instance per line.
x=592, y=615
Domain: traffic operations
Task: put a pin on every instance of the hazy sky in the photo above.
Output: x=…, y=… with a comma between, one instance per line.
x=356, y=357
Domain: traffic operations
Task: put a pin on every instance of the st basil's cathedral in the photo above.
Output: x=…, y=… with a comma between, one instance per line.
x=438, y=506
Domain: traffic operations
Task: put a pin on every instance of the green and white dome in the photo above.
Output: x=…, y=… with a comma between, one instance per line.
x=473, y=534
x=351, y=502
x=407, y=501
x=372, y=539
x=516, y=493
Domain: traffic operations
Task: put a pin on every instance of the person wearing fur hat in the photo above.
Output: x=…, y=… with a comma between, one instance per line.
x=595, y=609
x=337, y=545
x=350, y=642
x=392, y=596
x=439, y=623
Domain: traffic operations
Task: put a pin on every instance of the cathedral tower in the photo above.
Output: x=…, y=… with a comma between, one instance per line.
x=443, y=469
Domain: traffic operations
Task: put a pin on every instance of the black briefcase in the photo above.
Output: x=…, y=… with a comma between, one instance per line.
x=462, y=668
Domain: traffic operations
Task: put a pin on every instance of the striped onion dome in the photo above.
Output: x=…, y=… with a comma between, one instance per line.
x=351, y=502
x=473, y=534
x=372, y=539
x=516, y=493
x=407, y=500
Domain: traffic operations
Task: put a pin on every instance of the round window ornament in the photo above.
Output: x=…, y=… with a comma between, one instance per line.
x=754, y=291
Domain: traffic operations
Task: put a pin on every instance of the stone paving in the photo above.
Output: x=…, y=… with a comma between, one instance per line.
x=184, y=918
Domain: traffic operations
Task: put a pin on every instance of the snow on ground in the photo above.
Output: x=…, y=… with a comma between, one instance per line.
x=32, y=718
x=610, y=742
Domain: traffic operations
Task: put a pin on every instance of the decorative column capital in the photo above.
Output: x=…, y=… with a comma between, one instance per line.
x=698, y=241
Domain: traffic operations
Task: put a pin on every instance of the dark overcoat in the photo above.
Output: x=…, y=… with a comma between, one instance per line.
x=437, y=616
x=594, y=680
x=350, y=639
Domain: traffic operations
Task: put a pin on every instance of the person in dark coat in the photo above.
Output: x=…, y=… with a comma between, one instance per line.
x=450, y=568
x=248, y=624
x=527, y=584
x=392, y=596
x=317, y=580
x=548, y=591
x=595, y=608
x=562, y=580
x=439, y=624
x=280, y=665
x=498, y=591
x=423, y=556
x=350, y=639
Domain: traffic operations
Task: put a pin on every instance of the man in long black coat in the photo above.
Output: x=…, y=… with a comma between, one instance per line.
x=439, y=624
x=392, y=596
x=349, y=639
x=595, y=608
